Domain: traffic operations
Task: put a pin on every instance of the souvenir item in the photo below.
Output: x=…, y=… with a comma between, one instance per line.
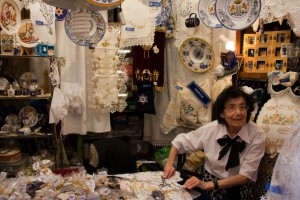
x=12, y=119
x=26, y=35
x=237, y=14
x=3, y=83
x=10, y=91
x=85, y=28
x=29, y=116
x=228, y=60
x=170, y=26
x=42, y=17
x=207, y=13
x=196, y=55
x=192, y=21
x=26, y=79
x=10, y=155
x=7, y=43
x=60, y=14
x=10, y=17
x=105, y=3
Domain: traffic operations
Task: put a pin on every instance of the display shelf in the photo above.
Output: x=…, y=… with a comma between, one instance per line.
x=253, y=75
x=23, y=56
x=21, y=97
x=18, y=136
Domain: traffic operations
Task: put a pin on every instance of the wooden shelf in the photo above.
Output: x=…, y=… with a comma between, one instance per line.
x=17, y=136
x=253, y=75
x=23, y=56
x=22, y=97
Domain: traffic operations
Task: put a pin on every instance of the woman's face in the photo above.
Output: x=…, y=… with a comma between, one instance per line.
x=235, y=113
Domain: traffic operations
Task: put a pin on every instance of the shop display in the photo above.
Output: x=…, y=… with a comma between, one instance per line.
x=197, y=55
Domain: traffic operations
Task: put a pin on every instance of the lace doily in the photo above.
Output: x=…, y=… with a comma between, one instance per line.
x=138, y=30
x=111, y=37
x=272, y=10
x=27, y=2
x=56, y=63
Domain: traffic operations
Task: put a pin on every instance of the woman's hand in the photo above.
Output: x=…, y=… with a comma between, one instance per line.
x=195, y=182
x=169, y=170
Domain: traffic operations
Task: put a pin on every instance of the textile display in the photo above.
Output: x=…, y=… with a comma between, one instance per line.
x=277, y=115
x=144, y=99
x=148, y=64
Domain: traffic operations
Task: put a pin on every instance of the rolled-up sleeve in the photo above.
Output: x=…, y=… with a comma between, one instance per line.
x=188, y=142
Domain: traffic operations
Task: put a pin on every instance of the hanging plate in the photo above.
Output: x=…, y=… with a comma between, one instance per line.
x=237, y=14
x=96, y=29
x=207, y=13
x=26, y=35
x=10, y=19
x=196, y=54
x=105, y=3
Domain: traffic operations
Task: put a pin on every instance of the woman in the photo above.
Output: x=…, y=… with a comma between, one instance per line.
x=233, y=147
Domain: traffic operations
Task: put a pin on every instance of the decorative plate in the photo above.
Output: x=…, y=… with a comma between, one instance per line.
x=10, y=19
x=96, y=28
x=105, y=3
x=26, y=35
x=29, y=116
x=26, y=79
x=60, y=14
x=12, y=119
x=163, y=16
x=170, y=26
x=3, y=83
x=196, y=54
x=207, y=13
x=237, y=14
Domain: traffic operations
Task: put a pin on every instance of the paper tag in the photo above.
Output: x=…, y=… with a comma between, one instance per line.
x=154, y=4
x=179, y=87
x=55, y=181
x=129, y=29
x=91, y=185
x=82, y=197
x=102, y=173
x=72, y=196
x=37, y=22
x=199, y=93
x=36, y=166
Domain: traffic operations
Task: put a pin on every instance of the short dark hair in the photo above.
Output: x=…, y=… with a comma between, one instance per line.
x=228, y=93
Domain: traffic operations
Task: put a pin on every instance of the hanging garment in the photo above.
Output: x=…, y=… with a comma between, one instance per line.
x=148, y=62
x=276, y=117
x=187, y=110
x=144, y=99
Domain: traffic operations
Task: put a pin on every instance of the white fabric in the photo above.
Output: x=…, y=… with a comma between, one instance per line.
x=219, y=86
x=286, y=173
x=142, y=19
x=276, y=117
x=205, y=138
x=274, y=9
x=73, y=83
x=59, y=106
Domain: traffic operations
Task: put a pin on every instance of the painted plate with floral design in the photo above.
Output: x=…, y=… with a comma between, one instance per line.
x=207, y=13
x=237, y=14
x=10, y=18
x=93, y=24
x=164, y=14
x=197, y=55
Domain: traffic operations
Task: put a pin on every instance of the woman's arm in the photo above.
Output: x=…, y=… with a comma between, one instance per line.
x=222, y=184
x=169, y=169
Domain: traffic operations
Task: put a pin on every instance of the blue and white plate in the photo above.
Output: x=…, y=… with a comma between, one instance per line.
x=105, y=3
x=96, y=30
x=197, y=55
x=237, y=14
x=207, y=13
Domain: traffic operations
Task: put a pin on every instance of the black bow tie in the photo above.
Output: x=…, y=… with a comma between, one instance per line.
x=236, y=148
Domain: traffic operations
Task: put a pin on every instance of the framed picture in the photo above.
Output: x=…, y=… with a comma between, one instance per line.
x=250, y=39
x=249, y=52
x=265, y=38
x=280, y=37
x=262, y=65
x=276, y=50
x=279, y=64
x=248, y=65
x=264, y=51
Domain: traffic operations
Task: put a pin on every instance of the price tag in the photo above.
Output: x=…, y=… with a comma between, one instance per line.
x=91, y=185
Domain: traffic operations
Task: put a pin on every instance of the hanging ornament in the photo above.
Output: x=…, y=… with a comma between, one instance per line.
x=155, y=49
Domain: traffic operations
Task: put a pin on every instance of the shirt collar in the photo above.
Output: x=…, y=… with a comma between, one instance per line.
x=242, y=133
